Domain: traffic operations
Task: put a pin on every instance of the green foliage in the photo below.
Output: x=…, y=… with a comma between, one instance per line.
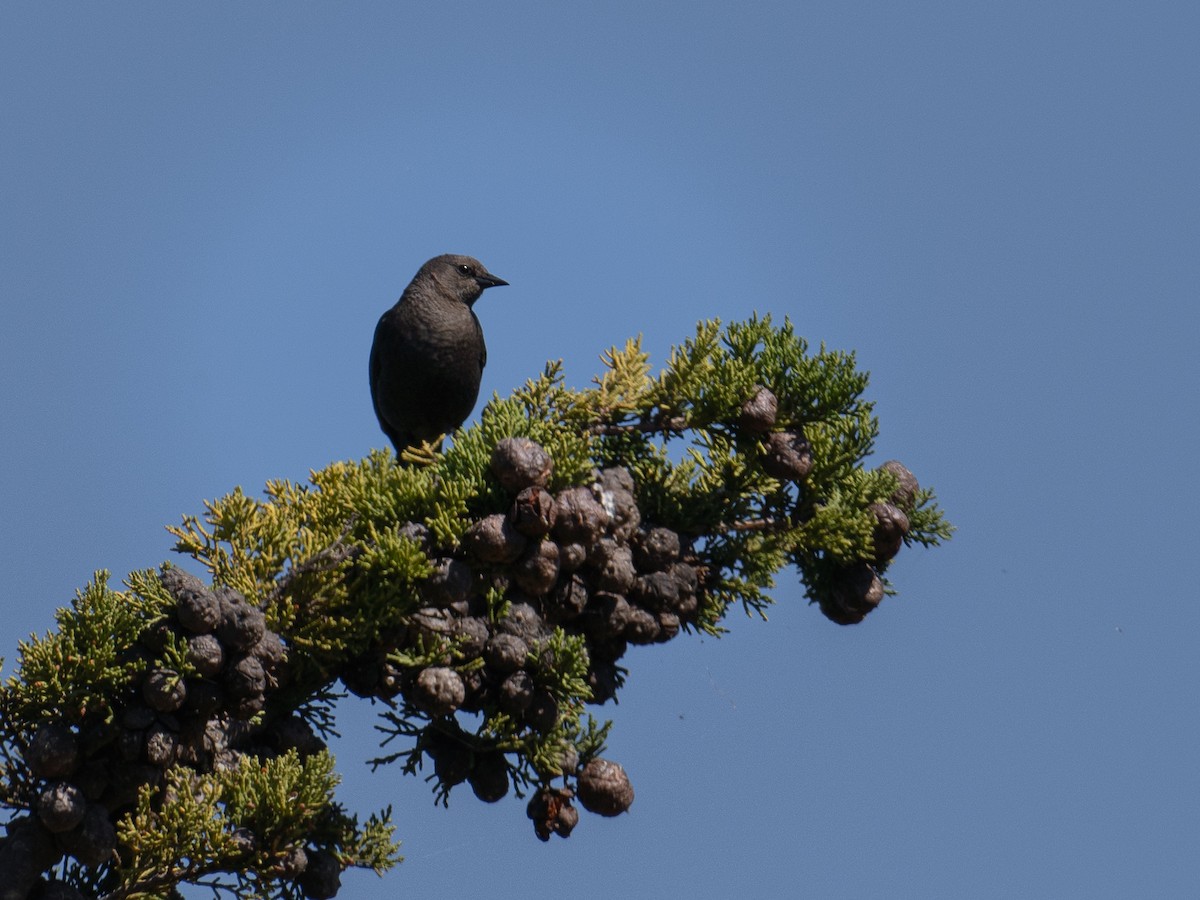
x=83, y=668
x=245, y=823
x=929, y=525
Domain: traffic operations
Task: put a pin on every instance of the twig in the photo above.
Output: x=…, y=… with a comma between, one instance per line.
x=323, y=560
x=658, y=423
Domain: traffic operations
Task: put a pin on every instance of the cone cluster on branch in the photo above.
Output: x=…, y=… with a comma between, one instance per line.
x=202, y=716
x=581, y=561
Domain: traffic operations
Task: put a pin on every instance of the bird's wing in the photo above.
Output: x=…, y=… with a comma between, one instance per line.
x=482, y=345
x=380, y=349
x=374, y=366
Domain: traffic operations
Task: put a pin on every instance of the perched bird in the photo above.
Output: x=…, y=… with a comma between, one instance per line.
x=428, y=354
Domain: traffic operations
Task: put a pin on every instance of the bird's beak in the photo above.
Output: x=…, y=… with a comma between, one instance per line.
x=487, y=281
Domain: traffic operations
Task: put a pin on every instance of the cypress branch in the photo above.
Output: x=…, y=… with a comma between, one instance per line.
x=173, y=732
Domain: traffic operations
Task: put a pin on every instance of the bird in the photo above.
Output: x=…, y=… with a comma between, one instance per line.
x=428, y=353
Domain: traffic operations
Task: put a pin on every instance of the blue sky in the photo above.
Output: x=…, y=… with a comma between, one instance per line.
x=205, y=208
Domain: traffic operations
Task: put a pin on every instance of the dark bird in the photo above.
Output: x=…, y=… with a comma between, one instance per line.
x=428, y=354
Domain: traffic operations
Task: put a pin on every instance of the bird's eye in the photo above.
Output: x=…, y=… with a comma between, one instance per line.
x=465, y=269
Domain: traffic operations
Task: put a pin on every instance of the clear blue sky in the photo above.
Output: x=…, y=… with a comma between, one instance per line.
x=205, y=207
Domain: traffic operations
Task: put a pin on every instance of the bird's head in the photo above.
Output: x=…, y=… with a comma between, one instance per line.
x=462, y=277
